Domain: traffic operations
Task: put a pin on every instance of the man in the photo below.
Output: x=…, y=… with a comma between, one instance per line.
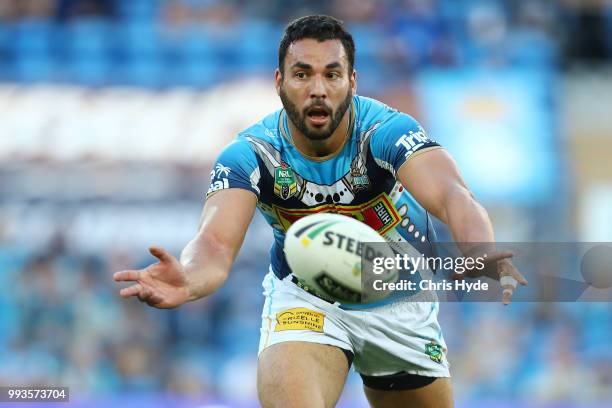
x=328, y=150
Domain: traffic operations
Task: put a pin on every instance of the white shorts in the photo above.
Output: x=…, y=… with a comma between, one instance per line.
x=399, y=337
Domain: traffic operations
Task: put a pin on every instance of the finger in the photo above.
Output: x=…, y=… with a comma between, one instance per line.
x=133, y=290
x=507, y=295
x=150, y=297
x=507, y=281
x=519, y=277
x=507, y=269
x=160, y=254
x=145, y=294
x=129, y=275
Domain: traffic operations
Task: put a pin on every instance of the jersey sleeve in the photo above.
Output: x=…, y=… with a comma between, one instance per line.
x=236, y=167
x=398, y=139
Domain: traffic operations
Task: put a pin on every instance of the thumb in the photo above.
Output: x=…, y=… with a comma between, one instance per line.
x=160, y=254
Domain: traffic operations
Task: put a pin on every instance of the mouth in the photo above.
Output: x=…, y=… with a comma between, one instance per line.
x=318, y=115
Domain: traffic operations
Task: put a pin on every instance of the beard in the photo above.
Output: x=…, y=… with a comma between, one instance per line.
x=299, y=117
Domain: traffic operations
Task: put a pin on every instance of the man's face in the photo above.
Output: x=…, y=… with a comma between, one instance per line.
x=316, y=88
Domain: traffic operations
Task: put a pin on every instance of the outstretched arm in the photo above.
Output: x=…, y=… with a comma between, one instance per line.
x=208, y=257
x=432, y=177
x=205, y=261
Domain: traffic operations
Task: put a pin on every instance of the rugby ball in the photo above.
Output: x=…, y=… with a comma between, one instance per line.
x=327, y=252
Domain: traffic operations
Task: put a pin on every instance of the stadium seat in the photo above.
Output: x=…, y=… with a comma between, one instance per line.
x=88, y=51
x=6, y=52
x=137, y=50
x=254, y=50
x=33, y=50
x=137, y=10
x=195, y=59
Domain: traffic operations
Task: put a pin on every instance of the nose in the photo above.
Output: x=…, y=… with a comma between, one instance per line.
x=318, y=89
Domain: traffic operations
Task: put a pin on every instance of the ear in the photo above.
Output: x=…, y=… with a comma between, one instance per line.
x=278, y=80
x=353, y=81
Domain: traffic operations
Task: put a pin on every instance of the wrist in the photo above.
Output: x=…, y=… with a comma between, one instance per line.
x=202, y=283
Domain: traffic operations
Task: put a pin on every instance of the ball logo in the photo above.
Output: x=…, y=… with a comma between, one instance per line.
x=322, y=226
x=336, y=289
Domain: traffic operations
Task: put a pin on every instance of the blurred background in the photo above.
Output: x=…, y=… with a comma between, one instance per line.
x=111, y=113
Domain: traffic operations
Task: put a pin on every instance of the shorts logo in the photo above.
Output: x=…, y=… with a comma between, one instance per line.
x=299, y=318
x=434, y=351
x=285, y=185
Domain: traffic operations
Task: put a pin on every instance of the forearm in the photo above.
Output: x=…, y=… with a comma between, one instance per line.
x=469, y=222
x=207, y=263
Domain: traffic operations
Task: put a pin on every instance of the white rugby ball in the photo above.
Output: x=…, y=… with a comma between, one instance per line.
x=324, y=252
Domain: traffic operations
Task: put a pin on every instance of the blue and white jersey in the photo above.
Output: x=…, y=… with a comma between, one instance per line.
x=358, y=181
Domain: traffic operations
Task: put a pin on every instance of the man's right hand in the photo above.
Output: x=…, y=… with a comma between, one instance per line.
x=162, y=285
x=205, y=260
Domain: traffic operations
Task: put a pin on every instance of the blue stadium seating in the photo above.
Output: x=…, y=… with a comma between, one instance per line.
x=33, y=51
x=88, y=51
x=254, y=47
x=196, y=59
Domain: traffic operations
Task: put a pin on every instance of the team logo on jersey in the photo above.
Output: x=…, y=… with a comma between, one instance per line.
x=361, y=181
x=285, y=185
x=434, y=351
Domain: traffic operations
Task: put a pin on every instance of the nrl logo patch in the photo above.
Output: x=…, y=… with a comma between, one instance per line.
x=285, y=185
x=434, y=351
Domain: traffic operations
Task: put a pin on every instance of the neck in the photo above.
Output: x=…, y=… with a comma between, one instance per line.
x=322, y=148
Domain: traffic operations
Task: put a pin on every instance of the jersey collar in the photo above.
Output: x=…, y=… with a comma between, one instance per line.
x=283, y=125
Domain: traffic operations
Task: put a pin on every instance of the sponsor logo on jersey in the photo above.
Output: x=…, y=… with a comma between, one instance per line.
x=378, y=213
x=434, y=351
x=412, y=141
x=218, y=185
x=221, y=170
x=285, y=185
x=299, y=318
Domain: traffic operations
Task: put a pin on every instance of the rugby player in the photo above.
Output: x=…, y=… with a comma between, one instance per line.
x=329, y=150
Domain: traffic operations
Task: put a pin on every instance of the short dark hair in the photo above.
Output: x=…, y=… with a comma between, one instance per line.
x=320, y=28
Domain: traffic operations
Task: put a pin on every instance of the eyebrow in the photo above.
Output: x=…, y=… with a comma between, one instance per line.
x=303, y=65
